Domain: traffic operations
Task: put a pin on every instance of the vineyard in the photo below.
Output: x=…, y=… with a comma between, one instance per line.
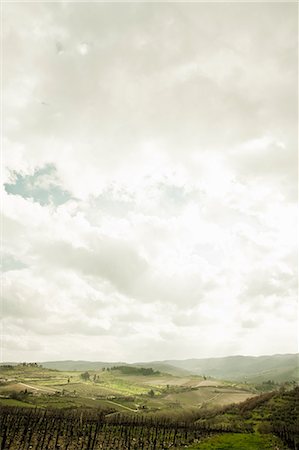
x=35, y=415
x=24, y=429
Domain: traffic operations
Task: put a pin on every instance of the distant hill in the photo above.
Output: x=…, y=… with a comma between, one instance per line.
x=250, y=368
x=165, y=368
x=99, y=365
x=253, y=369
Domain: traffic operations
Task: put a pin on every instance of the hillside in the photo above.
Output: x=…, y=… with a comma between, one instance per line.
x=99, y=365
x=265, y=422
x=278, y=368
x=124, y=387
x=265, y=416
x=165, y=368
x=254, y=369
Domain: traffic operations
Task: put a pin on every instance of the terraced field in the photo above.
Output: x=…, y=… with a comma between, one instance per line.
x=36, y=386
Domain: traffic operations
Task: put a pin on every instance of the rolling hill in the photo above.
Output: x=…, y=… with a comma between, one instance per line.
x=278, y=368
x=254, y=369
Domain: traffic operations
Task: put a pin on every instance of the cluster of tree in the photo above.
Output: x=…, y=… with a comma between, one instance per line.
x=151, y=393
x=265, y=386
x=31, y=364
x=21, y=395
x=254, y=402
x=23, y=364
x=86, y=377
x=131, y=370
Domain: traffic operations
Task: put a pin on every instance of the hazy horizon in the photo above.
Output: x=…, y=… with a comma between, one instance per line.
x=150, y=180
x=148, y=361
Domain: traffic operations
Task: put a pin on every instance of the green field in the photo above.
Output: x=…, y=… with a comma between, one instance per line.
x=40, y=387
x=240, y=441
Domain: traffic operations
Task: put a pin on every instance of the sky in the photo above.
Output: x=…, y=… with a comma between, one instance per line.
x=149, y=190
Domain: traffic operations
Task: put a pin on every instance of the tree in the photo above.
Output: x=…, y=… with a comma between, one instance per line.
x=151, y=393
x=85, y=376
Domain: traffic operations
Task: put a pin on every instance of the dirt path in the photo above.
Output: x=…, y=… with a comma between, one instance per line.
x=122, y=406
x=38, y=389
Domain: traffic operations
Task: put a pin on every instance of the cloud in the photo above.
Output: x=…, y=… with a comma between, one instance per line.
x=18, y=344
x=135, y=92
x=149, y=179
x=109, y=259
x=279, y=281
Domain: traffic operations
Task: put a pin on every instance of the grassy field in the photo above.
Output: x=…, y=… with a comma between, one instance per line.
x=240, y=441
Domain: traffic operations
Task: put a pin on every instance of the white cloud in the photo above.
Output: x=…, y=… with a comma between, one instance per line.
x=173, y=128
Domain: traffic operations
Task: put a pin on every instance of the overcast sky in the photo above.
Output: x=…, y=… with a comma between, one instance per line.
x=150, y=180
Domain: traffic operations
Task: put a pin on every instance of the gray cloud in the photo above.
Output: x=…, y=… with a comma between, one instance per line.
x=22, y=300
x=109, y=259
x=270, y=281
x=228, y=73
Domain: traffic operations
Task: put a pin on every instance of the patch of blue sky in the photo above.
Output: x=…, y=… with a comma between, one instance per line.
x=9, y=262
x=42, y=187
